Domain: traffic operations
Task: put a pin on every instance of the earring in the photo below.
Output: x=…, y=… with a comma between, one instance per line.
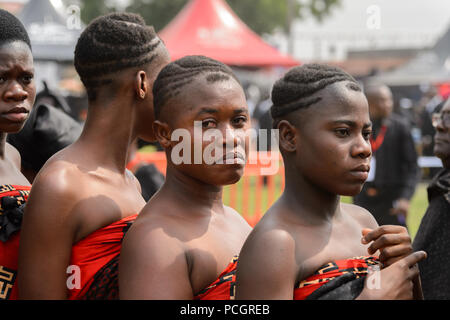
x=142, y=95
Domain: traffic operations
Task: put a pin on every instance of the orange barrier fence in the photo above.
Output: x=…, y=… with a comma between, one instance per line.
x=261, y=185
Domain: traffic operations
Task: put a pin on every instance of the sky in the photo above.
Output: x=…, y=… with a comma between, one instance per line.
x=365, y=24
x=430, y=17
x=372, y=24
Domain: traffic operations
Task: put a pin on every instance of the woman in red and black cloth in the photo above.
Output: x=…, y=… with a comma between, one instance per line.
x=17, y=94
x=309, y=245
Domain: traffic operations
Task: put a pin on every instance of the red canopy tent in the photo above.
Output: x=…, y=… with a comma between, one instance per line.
x=212, y=29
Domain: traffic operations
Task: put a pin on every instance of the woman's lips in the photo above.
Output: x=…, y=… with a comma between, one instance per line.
x=17, y=114
x=362, y=175
x=361, y=172
x=233, y=158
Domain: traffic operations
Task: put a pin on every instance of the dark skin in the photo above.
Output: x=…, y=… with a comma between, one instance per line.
x=380, y=108
x=86, y=186
x=326, y=151
x=442, y=138
x=185, y=237
x=17, y=94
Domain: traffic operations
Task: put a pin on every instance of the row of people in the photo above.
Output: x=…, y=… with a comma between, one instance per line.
x=86, y=221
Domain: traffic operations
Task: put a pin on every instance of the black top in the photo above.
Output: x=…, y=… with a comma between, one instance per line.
x=433, y=237
x=396, y=158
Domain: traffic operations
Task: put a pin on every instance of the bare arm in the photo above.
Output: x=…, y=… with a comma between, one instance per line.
x=153, y=266
x=266, y=267
x=46, y=239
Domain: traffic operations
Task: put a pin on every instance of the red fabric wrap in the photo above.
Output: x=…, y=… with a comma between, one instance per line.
x=358, y=266
x=223, y=288
x=96, y=256
x=9, y=250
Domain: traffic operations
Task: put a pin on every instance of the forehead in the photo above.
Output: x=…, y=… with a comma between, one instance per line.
x=14, y=54
x=200, y=93
x=338, y=101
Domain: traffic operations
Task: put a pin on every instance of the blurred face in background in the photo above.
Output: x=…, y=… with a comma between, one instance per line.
x=17, y=88
x=441, y=122
x=380, y=102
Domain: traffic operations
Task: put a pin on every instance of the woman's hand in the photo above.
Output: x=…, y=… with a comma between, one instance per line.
x=393, y=243
x=395, y=282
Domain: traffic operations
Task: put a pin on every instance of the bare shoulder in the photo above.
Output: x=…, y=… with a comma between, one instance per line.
x=150, y=231
x=151, y=240
x=267, y=267
x=361, y=215
x=270, y=239
x=56, y=189
x=59, y=177
x=237, y=218
x=153, y=261
x=270, y=244
x=155, y=221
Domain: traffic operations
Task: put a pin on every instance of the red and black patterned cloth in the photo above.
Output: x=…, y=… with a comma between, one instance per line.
x=341, y=279
x=223, y=288
x=12, y=203
x=96, y=257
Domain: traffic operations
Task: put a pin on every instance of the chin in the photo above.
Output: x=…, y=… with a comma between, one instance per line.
x=228, y=179
x=351, y=191
x=13, y=128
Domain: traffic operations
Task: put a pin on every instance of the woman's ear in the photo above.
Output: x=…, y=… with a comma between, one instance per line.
x=141, y=84
x=163, y=134
x=288, y=135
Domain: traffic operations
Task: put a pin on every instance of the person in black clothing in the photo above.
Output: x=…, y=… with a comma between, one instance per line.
x=433, y=234
x=394, y=172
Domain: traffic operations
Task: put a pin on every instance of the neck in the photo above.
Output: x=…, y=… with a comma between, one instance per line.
x=2, y=145
x=193, y=193
x=108, y=133
x=314, y=204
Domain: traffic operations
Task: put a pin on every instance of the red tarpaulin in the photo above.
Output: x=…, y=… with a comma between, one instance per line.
x=212, y=29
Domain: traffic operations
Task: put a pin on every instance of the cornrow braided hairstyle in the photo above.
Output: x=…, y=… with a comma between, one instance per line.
x=112, y=43
x=295, y=90
x=11, y=29
x=177, y=74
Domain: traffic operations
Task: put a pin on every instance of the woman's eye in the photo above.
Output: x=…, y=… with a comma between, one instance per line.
x=367, y=135
x=27, y=79
x=343, y=132
x=208, y=124
x=2, y=79
x=240, y=121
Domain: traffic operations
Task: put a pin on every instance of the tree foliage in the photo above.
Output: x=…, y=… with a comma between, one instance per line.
x=262, y=16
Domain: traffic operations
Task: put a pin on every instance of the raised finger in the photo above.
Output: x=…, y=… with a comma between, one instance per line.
x=414, y=258
x=386, y=229
x=390, y=255
x=387, y=240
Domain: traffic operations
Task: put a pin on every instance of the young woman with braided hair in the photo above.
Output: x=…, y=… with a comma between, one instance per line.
x=84, y=199
x=309, y=245
x=17, y=94
x=181, y=245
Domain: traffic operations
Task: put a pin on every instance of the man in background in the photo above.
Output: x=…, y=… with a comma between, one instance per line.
x=394, y=172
